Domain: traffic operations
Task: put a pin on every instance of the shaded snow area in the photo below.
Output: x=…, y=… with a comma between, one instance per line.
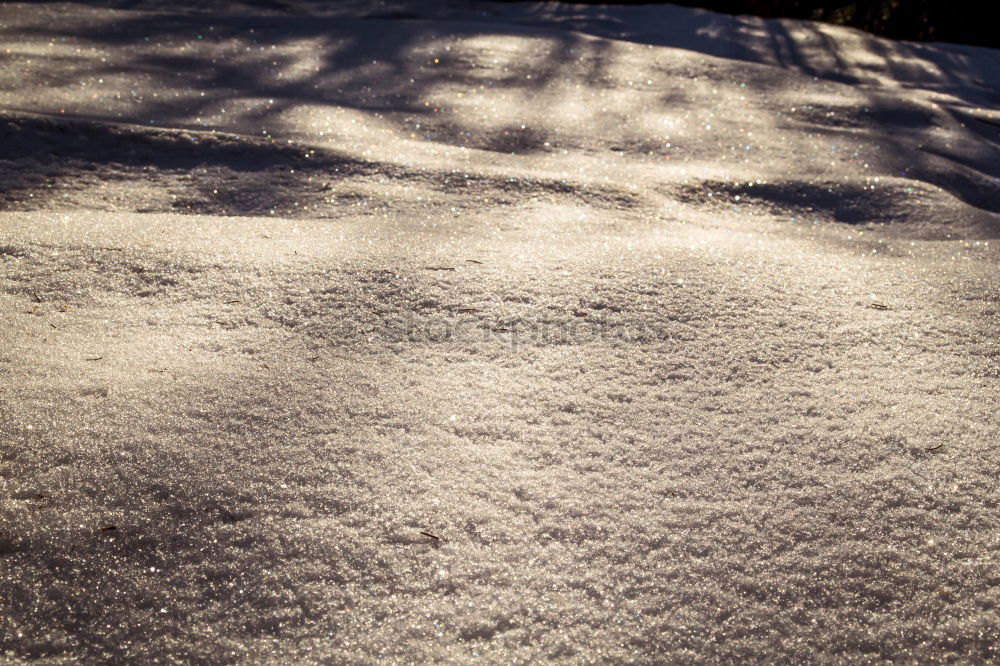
x=400, y=332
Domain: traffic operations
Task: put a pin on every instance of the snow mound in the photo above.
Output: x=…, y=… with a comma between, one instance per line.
x=405, y=332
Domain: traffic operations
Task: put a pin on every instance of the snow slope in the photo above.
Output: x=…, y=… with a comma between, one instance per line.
x=407, y=332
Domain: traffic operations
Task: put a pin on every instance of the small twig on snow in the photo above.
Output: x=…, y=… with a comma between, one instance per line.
x=988, y=122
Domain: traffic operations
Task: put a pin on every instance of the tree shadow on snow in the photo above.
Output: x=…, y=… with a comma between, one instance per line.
x=387, y=66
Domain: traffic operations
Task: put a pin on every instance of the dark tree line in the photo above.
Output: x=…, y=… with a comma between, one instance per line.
x=922, y=20
x=960, y=21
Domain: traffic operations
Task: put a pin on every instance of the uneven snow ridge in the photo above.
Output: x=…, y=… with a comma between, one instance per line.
x=399, y=332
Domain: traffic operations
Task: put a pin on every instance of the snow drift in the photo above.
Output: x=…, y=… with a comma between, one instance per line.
x=401, y=332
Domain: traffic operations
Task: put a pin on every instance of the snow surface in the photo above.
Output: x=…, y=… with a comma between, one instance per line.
x=404, y=332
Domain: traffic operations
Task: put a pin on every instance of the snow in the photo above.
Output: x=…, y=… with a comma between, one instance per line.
x=406, y=332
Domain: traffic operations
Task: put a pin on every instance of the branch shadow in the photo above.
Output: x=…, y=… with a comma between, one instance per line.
x=258, y=67
x=383, y=67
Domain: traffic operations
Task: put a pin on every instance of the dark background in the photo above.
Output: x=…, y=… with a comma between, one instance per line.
x=959, y=21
